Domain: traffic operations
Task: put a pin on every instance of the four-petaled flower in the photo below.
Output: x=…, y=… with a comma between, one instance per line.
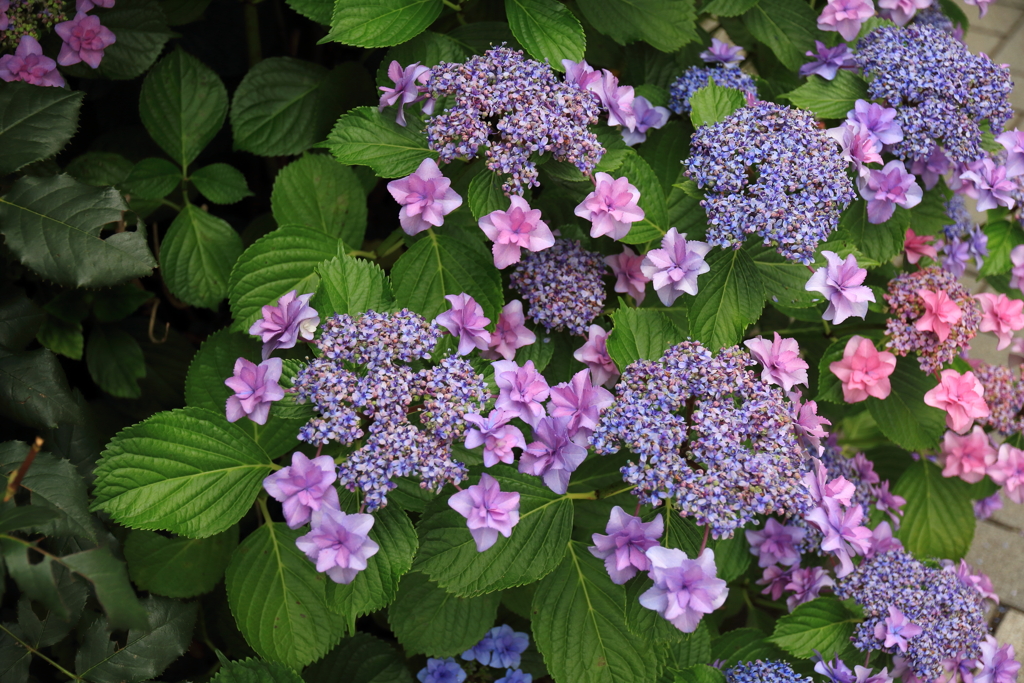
x=647, y=116
x=1008, y=472
x=426, y=197
x=339, y=544
x=496, y=435
x=511, y=231
x=510, y=332
x=684, y=590
x=612, y=207
x=466, y=320
x=304, y=487
x=998, y=664
x=721, y=51
x=1002, y=315
x=674, y=268
x=255, y=388
x=282, y=325
x=624, y=544
x=776, y=543
x=901, y=11
x=488, y=510
x=555, y=455
x=828, y=60
x=989, y=184
x=896, y=629
x=84, y=38
x=522, y=390
x=842, y=284
x=441, y=671
x=961, y=396
x=1017, y=269
x=878, y=120
x=617, y=99
x=864, y=370
x=781, y=360
x=844, y=533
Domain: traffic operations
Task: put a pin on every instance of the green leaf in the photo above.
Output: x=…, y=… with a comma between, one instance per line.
x=221, y=183
x=1003, y=235
x=449, y=556
x=35, y=123
x=903, y=416
x=178, y=567
x=727, y=8
x=359, y=659
x=485, y=194
x=580, y=626
x=152, y=178
x=732, y=556
x=352, y=286
x=665, y=24
x=694, y=649
x=274, y=265
x=376, y=586
x=99, y=168
x=117, y=303
x=34, y=390
x=109, y=580
x=316, y=10
x=255, y=671
x=363, y=137
x=187, y=471
x=197, y=256
x=652, y=200
x=930, y=217
x=664, y=150
x=115, y=361
x=429, y=49
x=56, y=486
x=20, y=318
x=787, y=27
x=730, y=297
x=783, y=280
x=381, y=23
x=427, y=620
x=879, y=242
x=641, y=333
x=438, y=265
x=141, y=30
x=829, y=99
x=71, y=215
x=49, y=629
x=547, y=29
x=713, y=103
x=700, y=673
x=823, y=625
x=25, y=517
x=183, y=105
x=277, y=598
x=743, y=645
x=938, y=519
x=540, y=352
x=319, y=193
x=62, y=337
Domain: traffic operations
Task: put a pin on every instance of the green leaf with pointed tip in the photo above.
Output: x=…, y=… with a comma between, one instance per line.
x=1003, y=236
x=352, y=286
x=700, y=673
x=364, y=137
x=641, y=333
x=152, y=178
x=787, y=27
x=829, y=99
x=823, y=626
x=35, y=123
x=380, y=23
x=56, y=485
x=197, y=256
x=547, y=29
x=20, y=318
x=109, y=580
x=485, y=194
x=34, y=390
x=938, y=519
x=256, y=671
x=319, y=193
x=727, y=8
x=359, y=659
x=188, y=471
x=730, y=297
x=652, y=200
x=99, y=168
x=71, y=215
x=666, y=24
x=713, y=103
x=213, y=363
x=141, y=30
x=25, y=517
x=878, y=241
x=178, y=567
x=903, y=416
x=743, y=645
x=115, y=361
x=693, y=650
x=221, y=183
x=62, y=337
x=783, y=280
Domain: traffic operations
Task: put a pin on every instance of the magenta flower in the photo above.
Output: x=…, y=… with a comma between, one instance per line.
x=917, y=246
x=1013, y=142
x=845, y=16
x=1002, y=315
x=647, y=116
x=844, y=534
x=582, y=74
x=858, y=146
x=86, y=5
x=426, y=197
x=518, y=228
x=466, y=320
x=617, y=99
x=961, y=396
x=594, y=354
x=496, y=435
x=781, y=361
x=409, y=88
x=255, y=388
x=930, y=169
x=304, y=487
x=896, y=629
x=611, y=208
x=629, y=278
x=674, y=268
x=776, y=543
x=828, y=60
x=842, y=284
x=684, y=590
x=29, y=64
x=624, y=547
x=882, y=540
x=522, y=390
x=988, y=183
x=282, y=325
x=968, y=457
x=807, y=420
x=721, y=51
x=488, y=510
x=554, y=455
x=1017, y=270
x=339, y=544
x=901, y=11
x=510, y=332
x=807, y=584
x=580, y=402
x=878, y=120
x=940, y=313
x=84, y=40
x=774, y=579
x=888, y=188
x=821, y=488
x=1008, y=472
x=4, y=19
x=976, y=580
x=998, y=664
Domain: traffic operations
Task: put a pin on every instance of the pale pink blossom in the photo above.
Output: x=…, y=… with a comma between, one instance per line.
x=510, y=333
x=87, y=5
x=821, y=488
x=896, y=629
x=844, y=533
x=674, y=268
x=580, y=402
x=409, y=88
x=968, y=457
x=888, y=188
x=617, y=99
x=776, y=543
x=917, y=246
x=1002, y=315
x=1008, y=472
x=882, y=540
x=426, y=197
x=807, y=583
x=511, y=231
x=845, y=16
x=842, y=283
x=612, y=207
x=684, y=590
x=988, y=183
x=629, y=278
x=807, y=420
x=858, y=146
x=864, y=370
x=998, y=664
x=781, y=360
x=521, y=390
x=85, y=39
x=580, y=74
x=961, y=396
x=624, y=544
x=594, y=354
x=940, y=313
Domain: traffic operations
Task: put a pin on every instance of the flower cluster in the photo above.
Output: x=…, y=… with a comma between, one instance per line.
x=1004, y=394
x=697, y=77
x=963, y=239
x=563, y=285
x=764, y=672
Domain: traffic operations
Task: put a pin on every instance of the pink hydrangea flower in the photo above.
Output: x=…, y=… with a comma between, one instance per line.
x=988, y=183
x=940, y=313
x=901, y=11
x=982, y=10
x=781, y=360
x=426, y=197
x=776, y=543
x=845, y=16
x=961, y=396
x=1008, y=472
x=774, y=579
x=808, y=422
x=29, y=64
x=510, y=332
x=284, y=324
x=968, y=457
x=674, y=268
x=896, y=629
x=882, y=539
x=721, y=51
x=466, y=320
x=409, y=88
x=1002, y=315
x=975, y=579
x=629, y=278
x=647, y=117
x=339, y=544
x=496, y=435
x=304, y=487
x=998, y=664
x=555, y=454
x=617, y=99
x=807, y=582
x=1017, y=271
x=594, y=354
x=612, y=207
x=888, y=188
x=917, y=246
x=624, y=544
x=511, y=231
x=522, y=390
x=864, y=370
x=86, y=5
x=255, y=388
x=1013, y=142
x=84, y=38
x=580, y=402
x=858, y=146
x=4, y=19
x=842, y=284
x=684, y=590
x=488, y=510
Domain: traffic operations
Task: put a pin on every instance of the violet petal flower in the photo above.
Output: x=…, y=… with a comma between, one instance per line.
x=510, y=332
x=580, y=74
x=611, y=208
x=674, y=268
x=828, y=60
x=594, y=354
x=774, y=579
x=408, y=88
x=647, y=116
x=580, y=402
x=989, y=185
x=617, y=99
x=721, y=51
x=629, y=278
x=339, y=544
x=1013, y=142
x=844, y=534
x=684, y=590
x=901, y=11
x=888, y=188
x=441, y=671
x=29, y=64
x=776, y=543
x=998, y=664
x=501, y=648
x=807, y=582
x=554, y=456
x=496, y=435
x=87, y=5
x=426, y=197
x=304, y=487
x=522, y=390
x=857, y=145
x=896, y=629
x=781, y=360
x=842, y=284
x=931, y=168
x=511, y=231
x=84, y=38
x=835, y=671
x=878, y=120
x=282, y=325
x=845, y=16
x=624, y=547
x=466, y=320
x=255, y=388
x=488, y=510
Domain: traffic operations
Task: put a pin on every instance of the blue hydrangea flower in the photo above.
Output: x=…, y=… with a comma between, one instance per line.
x=764, y=672
x=697, y=77
x=441, y=671
x=501, y=648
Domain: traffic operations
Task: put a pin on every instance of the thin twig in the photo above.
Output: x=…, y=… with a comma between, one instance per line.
x=15, y=481
x=39, y=654
x=152, y=321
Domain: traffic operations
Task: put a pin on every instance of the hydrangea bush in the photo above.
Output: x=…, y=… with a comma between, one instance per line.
x=601, y=341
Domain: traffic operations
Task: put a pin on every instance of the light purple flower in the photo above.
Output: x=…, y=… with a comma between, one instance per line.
x=842, y=284
x=807, y=582
x=647, y=116
x=515, y=676
x=774, y=579
x=982, y=8
x=930, y=169
x=629, y=278
x=901, y=11
x=843, y=531
x=776, y=543
x=887, y=188
x=554, y=455
x=684, y=590
x=304, y=487
x=255, y=388
x=781, y=360
x=998, y=664
x=339, y=544
x=496, y=435
x=511, y=231
x=594, y=354
x=84, y=38
x=409, y=88
x=878, y=120
x=1013, y=142
x=835, y=671
x=979, y=581
x=522, y=390
x=29, y=64
x=1017, y=269
x=674, y=268
x=807, y=420
x=955, y=255
x=882, y=540
x=845, y=16
x=820, y=487
x=282, y=325
x=896, y=629
x=580, y=402
x=86, y=5
x=986, y=507
x=721, y=51
x=858, y=146
x=426, y=197
x=488, y=510
x=863, y=675
x=611, y=208
x=828, y=60
x=466, y=320
x=510, y=332
x=988, y=183
x=501, y=648
x=617, y=99
x=441, y=671
x=624, y=547
x=4, y=19
x=580, y=73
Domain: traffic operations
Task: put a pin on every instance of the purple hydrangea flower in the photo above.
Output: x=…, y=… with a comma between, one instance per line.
x=986, y=507
x=339, y=544
x=611, y=208
x=674, y=268
x=697, y=77
x=844, y=534
x=987, y=183
x=1013, y=142
x=807, y=582
x=441, y=670
x=781, y=360
x=624, y=547
x=580, y=74
x=554, y=456
x=845, y=16
x=956, y=253
x=488, y=510
x=426, y=197
x=5, y=21
x=930, y=168
x=580, y=402
x=255, y=388
x=511, y=231
x=304, y=487
x=828, y=60
x=835, y=671
x=647, y=116
x=776, y=543
x=408, y=89
x=774, y=579
x=878, y=120
x=501, y=648
x=466, y=320
x=282, y=325
x=496, y=435
x=896, y=629
x=842, y=284
x=887, y=188
x=998, y=664
x=563, y=286
x=721, y=51
x=29, y=64
x=901, y=11
x=858, y=146
x=522, y=390
x=84, y=40
x=87, y=5
x=629, y=278
x=617, y=99
x=684, y=590
x=510, y=332
x=594, y=354
x=515, y=676
x=821, y=487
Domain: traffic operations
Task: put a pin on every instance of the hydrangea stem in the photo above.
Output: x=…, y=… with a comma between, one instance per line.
x=39, y=654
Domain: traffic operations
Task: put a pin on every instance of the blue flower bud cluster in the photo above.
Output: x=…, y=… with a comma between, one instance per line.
x=564, y=286
x=697, y=77
x=764, y=672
